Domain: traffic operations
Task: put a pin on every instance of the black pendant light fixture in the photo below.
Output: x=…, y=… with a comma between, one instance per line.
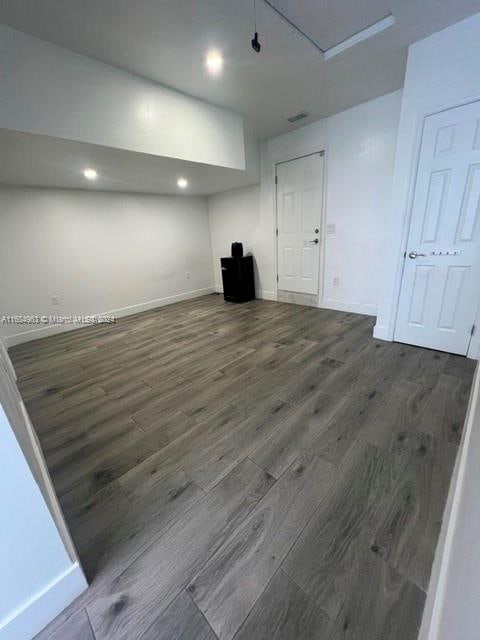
x=256, y=46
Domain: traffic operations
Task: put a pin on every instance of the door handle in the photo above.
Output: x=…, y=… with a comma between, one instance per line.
x=313, y=241
x=413, y=254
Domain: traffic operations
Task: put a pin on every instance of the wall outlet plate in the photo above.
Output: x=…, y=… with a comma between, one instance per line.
x=55, y=300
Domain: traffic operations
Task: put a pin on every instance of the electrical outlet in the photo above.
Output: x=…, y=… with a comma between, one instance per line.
x=188, y=275
x=336, y=281
x=55, y=300
x=331, y=229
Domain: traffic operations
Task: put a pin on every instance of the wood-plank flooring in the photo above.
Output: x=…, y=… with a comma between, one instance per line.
x=261, y=471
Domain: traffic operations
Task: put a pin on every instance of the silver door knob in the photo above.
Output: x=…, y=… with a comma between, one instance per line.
x=413, y=254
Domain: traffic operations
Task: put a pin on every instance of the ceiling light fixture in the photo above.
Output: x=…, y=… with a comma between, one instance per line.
x=90, y=174
x=256, y=46
x=214, y=62
x=364, y=34
x=182, y=183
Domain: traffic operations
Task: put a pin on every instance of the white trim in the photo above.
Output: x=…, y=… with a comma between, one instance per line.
x=431, y=628
x=44, y=482
x=33, y=616
x=360, y=36
x=474, y=346
x=266, y=295
x=5, y=358
x=323, y=215
x=304, y=149
x=43, y=332
x=350, y=307
x=381, y=333
x=29, y=443
x=261, y=294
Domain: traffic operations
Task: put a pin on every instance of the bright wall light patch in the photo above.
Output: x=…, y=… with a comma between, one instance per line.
x=182, y=183
x=214, y=62
x=90, y=174
x=147, y=112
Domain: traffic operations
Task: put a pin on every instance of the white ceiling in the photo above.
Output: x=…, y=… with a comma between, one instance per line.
x=41, y=161
x=329, y=23
x=166, y=40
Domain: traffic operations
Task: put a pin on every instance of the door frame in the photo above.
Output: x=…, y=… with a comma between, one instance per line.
x=474, y=345
x=322, y=225
x=29, y=444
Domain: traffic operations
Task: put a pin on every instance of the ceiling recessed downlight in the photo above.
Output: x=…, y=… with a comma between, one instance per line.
x=90, y=174
x=214, y=62
x=182, y=183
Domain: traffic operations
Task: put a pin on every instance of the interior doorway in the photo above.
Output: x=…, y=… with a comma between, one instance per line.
x=299, y=185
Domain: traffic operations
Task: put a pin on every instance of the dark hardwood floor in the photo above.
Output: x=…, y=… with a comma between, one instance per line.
x=261, y=471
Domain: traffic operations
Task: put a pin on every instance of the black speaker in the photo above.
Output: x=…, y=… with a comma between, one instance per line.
x=237, y=249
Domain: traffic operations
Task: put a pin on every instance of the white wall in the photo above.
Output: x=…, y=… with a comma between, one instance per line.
x=98, y=252
x=37, y=577
x=235, y=216
x=51, y=91
x=443, y=71
x=360, y=149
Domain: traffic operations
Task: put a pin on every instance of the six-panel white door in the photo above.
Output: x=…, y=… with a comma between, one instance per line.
x=440, y=291
x=299, y=212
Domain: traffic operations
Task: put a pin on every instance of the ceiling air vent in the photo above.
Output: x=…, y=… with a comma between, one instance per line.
x=298, y=116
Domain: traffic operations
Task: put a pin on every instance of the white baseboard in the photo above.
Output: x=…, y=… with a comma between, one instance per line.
x=50, y=330
x=33, y=616
x=381, y=332
x=266, y=295
x=337, y=305
x=259, y=293
x=350, y=307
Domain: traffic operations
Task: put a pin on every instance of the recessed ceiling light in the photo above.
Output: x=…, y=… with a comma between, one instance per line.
x=90, y=174
x=182, y=183
x=214, y=62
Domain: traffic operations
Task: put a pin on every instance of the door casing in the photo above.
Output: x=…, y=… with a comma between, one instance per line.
x=321, y=152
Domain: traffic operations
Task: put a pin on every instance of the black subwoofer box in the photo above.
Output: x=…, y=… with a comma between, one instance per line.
x=238, y=280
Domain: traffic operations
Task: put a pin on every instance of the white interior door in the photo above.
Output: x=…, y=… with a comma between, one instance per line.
x=299, y=213
x=440, y=291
